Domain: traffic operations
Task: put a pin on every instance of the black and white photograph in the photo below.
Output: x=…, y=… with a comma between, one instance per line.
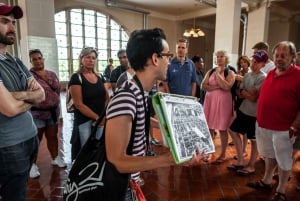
x=186, y=124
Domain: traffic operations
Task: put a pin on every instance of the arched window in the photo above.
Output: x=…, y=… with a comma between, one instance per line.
x=78, y=28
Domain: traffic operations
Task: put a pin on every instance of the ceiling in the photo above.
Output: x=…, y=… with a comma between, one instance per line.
x=186, y=9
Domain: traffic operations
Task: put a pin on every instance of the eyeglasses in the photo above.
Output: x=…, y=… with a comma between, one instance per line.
x=168, y=55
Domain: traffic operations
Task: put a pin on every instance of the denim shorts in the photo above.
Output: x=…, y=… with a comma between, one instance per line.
x=43, y=123
x=15, y=163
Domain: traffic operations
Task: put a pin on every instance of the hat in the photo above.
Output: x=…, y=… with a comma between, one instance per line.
x=15, y=10
x=260, y=56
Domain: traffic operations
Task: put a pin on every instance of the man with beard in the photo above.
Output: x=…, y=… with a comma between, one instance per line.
x=18, y=133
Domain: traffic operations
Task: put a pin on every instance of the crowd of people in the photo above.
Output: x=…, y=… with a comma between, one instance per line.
x=259, y=103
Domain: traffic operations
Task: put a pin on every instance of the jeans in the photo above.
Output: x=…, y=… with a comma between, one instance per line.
x=85, y=132
x=15, y=163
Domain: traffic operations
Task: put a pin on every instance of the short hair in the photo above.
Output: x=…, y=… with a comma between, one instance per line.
x=245, y=59
x=141, y=46
x=196, y=58
x=121, y=51
x=224, y=53
x=289, y=44
x=183, y=40
x=261, y=46
x=34, y=51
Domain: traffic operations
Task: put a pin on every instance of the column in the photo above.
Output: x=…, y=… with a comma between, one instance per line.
x=227, y=34
x=258, y=25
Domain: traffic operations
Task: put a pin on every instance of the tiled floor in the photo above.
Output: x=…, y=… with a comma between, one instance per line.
x=205, y=182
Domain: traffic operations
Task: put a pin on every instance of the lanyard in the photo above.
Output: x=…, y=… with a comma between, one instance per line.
x=147, y=111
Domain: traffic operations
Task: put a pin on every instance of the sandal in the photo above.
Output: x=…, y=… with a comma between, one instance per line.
x=279, y=197
x=259, y=185
x=218, y=161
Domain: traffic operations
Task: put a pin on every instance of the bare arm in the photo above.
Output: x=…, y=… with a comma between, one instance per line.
x=205, y=83
x=295, y=126
x=113, y=86
x=10, y=106
x=251, y=95
x=194, y=88
x=34, y=94
x=225, y=83
x=120, y=128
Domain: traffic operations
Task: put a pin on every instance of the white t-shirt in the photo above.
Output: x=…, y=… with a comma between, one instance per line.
x=268, y=67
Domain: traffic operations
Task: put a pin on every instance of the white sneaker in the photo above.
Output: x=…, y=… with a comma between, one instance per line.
x=59, y=162
x=34, y=171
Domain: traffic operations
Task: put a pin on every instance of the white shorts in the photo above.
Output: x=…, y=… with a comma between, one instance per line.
x=277, y=145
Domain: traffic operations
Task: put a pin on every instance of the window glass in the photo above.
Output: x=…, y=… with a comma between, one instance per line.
x=78, y=28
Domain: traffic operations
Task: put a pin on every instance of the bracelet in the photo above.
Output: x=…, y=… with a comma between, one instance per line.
x=293, y=128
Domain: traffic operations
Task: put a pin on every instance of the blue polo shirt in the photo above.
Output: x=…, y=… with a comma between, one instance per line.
x=181, y=76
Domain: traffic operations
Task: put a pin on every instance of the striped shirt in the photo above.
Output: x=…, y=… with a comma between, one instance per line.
x=126, y=103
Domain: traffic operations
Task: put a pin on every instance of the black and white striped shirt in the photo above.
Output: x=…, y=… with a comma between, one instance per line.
x=126, y=103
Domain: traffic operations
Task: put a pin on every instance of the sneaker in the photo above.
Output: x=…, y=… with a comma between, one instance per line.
x=59, y=162
x=155, y=142
x=34, y=171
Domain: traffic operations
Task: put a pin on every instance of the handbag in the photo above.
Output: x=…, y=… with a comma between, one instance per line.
x=69, y=101
x=92, y=177
x=136, y=191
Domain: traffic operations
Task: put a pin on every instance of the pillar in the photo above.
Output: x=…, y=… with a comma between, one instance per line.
x=227, y=34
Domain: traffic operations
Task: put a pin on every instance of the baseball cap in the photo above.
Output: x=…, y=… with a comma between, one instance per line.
x=15, y=10
x=260, y=56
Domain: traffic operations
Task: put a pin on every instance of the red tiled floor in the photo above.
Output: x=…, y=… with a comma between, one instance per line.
x=205, y=182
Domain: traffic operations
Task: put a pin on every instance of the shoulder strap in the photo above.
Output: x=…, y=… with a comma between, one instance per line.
x=226, y=71
x=102, y=115
x=211, y=71
x=80, y=78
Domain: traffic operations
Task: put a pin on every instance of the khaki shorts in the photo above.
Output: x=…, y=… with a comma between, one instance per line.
x=277, y=145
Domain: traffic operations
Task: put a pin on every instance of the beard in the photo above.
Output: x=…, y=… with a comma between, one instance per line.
x=7, y=40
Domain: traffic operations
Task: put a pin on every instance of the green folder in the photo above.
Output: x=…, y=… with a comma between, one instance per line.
x=183, y=125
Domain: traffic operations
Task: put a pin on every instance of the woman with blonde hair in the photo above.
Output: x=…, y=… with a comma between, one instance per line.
x=218, y=103
x=89, y=96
